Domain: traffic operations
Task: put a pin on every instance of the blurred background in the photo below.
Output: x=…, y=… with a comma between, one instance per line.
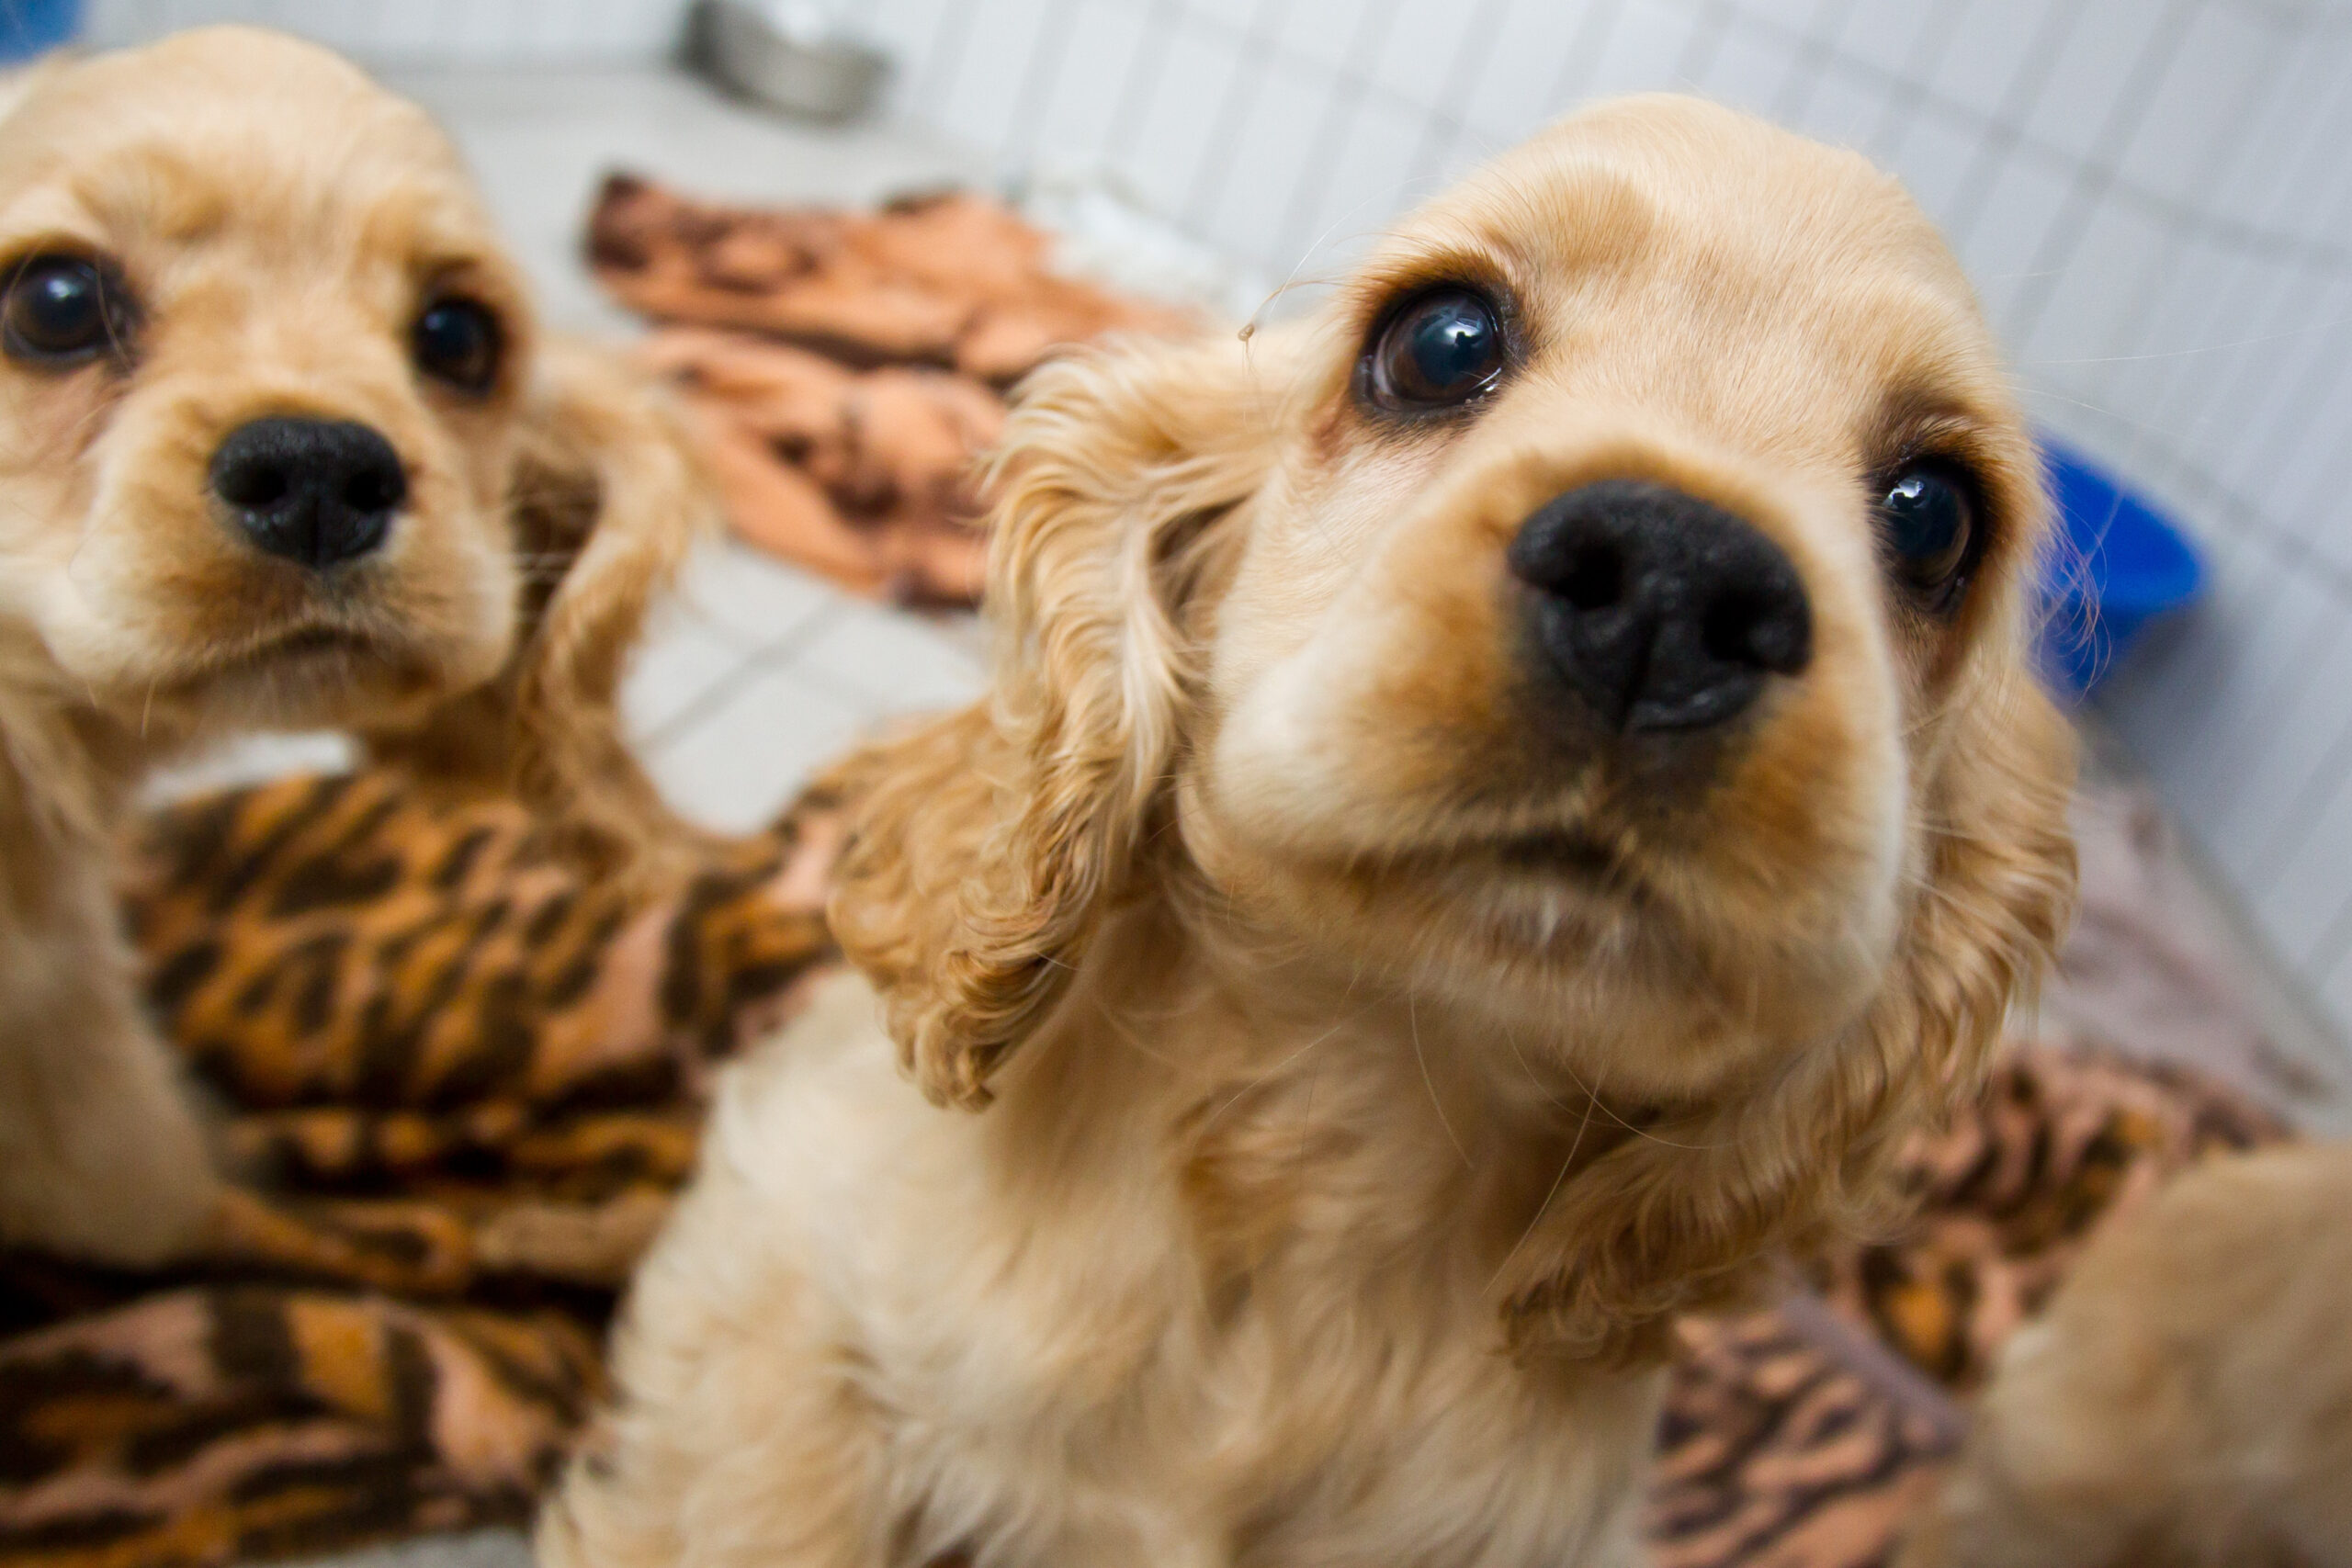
x=2152, y=196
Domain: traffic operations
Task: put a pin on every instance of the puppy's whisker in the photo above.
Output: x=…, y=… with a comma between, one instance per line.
x=1267, y=1077
x=1511, y=1038
x=1413, y=1027
x=1292, y=279
x=1307, y=1112
x=2145, y=427
x=1594, y=1097
x=2289, y=335
x=1567, y=1164
x=1126, y=1035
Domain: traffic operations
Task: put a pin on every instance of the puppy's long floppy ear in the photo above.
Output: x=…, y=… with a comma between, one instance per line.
x=1679, y=1218
x=606, y=500
x=988, y=845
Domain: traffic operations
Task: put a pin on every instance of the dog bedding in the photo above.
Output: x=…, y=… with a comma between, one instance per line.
x=464, y=1084
x=846, y=368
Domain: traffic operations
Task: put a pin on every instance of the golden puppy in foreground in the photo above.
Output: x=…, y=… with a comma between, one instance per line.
x=279, y=447
x=1498, y=810
x=2185, y=1402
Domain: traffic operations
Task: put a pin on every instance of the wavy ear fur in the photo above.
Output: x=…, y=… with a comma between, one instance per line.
x=1681, y=1219
x=606, y=500
x=988, y=844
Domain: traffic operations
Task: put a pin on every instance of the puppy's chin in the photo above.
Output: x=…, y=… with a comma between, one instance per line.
x=322, y=676
x=1643, y=965
x=310, y=675
x=1685, y=930
x=1408, y=780
x=164, y=620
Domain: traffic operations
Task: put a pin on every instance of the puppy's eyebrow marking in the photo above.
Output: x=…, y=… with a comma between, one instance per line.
x=1914, y=419
x=1387, y=282
x=162, y=195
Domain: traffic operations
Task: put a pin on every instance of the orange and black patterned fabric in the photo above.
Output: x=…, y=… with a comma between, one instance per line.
x=1802, y=1436
x=1789, y=1441
x=462, y=1086
x=467, y=1084
x=2006, y=1198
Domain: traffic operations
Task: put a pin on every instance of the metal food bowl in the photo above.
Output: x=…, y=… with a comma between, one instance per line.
x=790, y=56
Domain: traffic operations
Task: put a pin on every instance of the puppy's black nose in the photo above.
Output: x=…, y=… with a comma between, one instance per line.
x=314, y=491
x=1660, y=610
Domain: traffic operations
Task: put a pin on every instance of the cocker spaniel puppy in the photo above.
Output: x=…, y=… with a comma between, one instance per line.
x=1497, y=811
x=279, y=446
x=2186, y=1401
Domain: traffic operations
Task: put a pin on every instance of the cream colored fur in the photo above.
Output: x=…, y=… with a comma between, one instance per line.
x=279, y=221
x=2186, y=1401
x=1301, y=1173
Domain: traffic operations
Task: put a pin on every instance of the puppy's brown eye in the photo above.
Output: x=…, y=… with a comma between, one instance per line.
x=62, y=311
x=1930, y=523
x=460, y=341
x=1440, y=350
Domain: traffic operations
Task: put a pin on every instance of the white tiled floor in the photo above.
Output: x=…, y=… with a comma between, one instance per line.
x=757, y=674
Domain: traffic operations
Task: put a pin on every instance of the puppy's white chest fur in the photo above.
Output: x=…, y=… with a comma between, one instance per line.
x=1068, y=1357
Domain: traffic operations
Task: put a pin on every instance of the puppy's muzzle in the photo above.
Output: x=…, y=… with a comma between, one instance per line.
x=316, y=492
x=1658, y=610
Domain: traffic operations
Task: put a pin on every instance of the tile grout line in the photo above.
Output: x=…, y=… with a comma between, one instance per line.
x=759, y=663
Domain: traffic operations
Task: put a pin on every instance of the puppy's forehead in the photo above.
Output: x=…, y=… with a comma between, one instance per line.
x=234, y=131
x=1720, y=223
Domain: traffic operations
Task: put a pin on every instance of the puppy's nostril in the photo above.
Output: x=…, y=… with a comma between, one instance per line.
x=1759, y=627
x=374, y=489
x=1778, y=635
x=252, y=484
x=1595, y=580
x=1730, y=628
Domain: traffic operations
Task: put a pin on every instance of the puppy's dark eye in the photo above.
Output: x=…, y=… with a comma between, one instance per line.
x=1930, y=525
x=1443, y=349
x=62, y=311
x=459, y=341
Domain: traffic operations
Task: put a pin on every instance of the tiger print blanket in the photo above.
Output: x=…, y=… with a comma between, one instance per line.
x=462, y=1086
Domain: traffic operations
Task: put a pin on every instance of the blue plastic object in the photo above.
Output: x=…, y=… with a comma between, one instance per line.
x=28, y=26
x=2116, y=565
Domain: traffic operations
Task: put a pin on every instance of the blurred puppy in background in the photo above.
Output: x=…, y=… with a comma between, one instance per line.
x=1497, y=811
x=279, y=447
x=2185, y=1402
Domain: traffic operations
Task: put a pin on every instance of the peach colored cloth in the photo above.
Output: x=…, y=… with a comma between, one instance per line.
x=844, y=368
